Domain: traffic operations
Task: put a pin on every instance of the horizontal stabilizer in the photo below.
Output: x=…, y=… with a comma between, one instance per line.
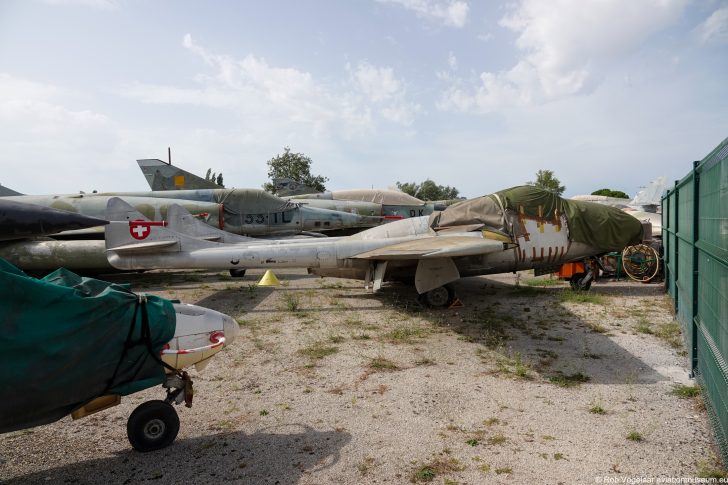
x=435, y=247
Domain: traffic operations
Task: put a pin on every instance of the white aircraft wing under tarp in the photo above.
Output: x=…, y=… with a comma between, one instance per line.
x=435, y=247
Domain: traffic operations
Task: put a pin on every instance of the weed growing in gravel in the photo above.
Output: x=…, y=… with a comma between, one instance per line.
x=570, y=380
x=643, y=326
x=706, y=470
x=670, y=333
x=635, y=436
x=504, y=470
x=491, y=421
x=403, y=334
x=382, y=364
x=498, y=439
x=473, y=442
x=485, y=468
x=317, y=351
x=597, y=409
x=439, y=466
x=685, y=392
x=571, y=296
x=559, y=456
x=291, y=301
x=544, y=282
x=365, y=466
x=264, y=412
x=424, y=362
x=336, y=339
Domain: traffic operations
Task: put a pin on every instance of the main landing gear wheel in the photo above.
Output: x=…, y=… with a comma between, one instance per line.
x=237, y=273
x=440, y=297
x=152, y=426
x=577, y=282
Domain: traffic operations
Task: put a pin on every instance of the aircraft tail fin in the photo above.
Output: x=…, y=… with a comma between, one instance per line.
x=287, y=187
x=180, y=220
x=164, y=176
x=4, y=191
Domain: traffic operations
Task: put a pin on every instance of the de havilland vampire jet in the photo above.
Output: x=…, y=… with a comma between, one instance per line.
x=514, y=229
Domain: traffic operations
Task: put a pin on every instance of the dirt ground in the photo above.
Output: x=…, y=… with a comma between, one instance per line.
x=328, y=383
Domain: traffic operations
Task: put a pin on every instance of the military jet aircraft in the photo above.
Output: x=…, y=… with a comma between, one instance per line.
x=389, y=204
x=514, y=229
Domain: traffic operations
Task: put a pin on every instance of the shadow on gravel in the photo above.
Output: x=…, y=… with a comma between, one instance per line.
x=276, y=455
x=527, y=332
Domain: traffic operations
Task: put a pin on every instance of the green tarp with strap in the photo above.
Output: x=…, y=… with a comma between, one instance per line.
x=67, y=339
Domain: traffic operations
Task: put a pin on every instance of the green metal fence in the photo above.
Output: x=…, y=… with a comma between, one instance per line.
x=695, y=239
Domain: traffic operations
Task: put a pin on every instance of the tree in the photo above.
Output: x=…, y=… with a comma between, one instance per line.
x=428, y=190
x=207, y=175
x=545, y=180
x=218, y=181
x=295, y=166
x=611, y=193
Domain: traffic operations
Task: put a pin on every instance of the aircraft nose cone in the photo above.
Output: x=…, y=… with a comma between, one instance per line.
x=231, y=329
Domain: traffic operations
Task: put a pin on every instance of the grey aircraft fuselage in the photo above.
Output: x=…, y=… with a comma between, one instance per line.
x=250, y=212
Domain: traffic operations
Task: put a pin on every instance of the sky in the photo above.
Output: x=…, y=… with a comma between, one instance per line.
x=475, y=95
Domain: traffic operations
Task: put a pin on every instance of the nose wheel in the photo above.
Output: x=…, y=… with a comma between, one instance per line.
x=152, y=426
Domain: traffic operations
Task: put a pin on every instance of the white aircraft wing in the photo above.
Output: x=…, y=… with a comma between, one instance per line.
x=435, y=247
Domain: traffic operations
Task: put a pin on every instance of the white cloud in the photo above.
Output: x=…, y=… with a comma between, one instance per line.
x=275, y=97
x=451, y=13
x=452, y=61
x=715, y=27
x=567, y=46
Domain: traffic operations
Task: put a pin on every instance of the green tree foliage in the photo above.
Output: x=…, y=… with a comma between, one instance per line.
x=219, y=180
x=295, y=166
x=611, y=193
x=428, y=190
x=545, y=180
x=215, y=178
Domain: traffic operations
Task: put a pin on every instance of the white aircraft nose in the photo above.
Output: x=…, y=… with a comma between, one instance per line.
x=231, y=329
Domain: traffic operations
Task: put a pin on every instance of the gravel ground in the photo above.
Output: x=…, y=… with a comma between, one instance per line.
x=328, y=383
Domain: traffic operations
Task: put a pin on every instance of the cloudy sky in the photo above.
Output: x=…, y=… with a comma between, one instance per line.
x=478, y=95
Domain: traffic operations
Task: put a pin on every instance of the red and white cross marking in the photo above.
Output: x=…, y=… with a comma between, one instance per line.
x=141, y=229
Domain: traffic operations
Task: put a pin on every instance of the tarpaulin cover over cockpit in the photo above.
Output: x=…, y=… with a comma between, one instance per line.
x=65, y=340
x=597, y=225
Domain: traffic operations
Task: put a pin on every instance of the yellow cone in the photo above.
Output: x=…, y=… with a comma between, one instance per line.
x=269, y=279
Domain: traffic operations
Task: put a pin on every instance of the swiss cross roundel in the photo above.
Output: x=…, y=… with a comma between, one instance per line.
x=139, y=229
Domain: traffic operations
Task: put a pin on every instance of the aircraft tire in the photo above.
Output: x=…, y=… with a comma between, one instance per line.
x=577, y=282
x=440, y=297
x=153, y=425
x=237, y=273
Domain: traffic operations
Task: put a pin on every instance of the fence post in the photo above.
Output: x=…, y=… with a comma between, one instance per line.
x=676, y=246
x=695, y=276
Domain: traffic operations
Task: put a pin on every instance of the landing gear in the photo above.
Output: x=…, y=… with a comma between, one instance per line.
x=153, y=425
x=440, y=297
x=237, y=273
x=579, y=281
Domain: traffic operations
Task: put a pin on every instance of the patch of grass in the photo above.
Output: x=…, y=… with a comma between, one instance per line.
x=635, y=436
x=365, y=465
x=685, y=392
x=597, y=409
x=670, y=333
x=544, y=282
x=570, y=380
x=570, y=296
x=485, y=468
x=317, y=351
x=491, y=421
x=291, y=301
x=559, y=456
x=439, y=466
x=473, y=442
x=403, y=334
x=264, y=412
x=336, y=339
x=382, y=364
x=706, y=470
x=424, y=361
x=643, y=326
x=504, y=470
x=597, y=327
x=498, y=439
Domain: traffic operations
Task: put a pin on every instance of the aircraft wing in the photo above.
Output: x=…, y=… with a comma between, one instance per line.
x=435, y=247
